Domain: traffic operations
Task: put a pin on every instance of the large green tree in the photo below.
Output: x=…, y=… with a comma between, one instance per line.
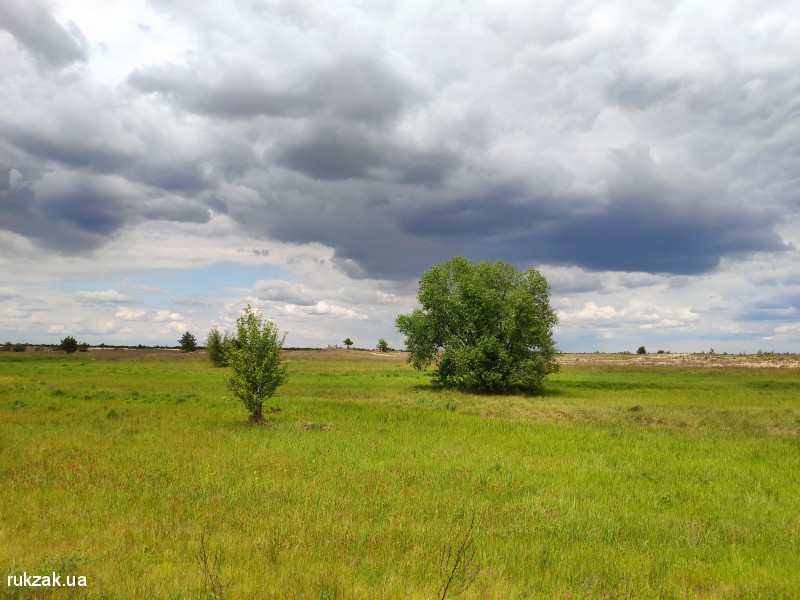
x=485, y=326
x=254, y=358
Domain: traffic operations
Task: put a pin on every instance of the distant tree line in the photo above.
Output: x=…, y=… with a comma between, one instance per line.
x=9, y=347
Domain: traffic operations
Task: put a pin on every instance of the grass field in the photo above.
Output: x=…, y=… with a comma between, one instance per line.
x=137, y=471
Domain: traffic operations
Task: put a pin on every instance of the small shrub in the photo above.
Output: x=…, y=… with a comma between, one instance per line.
x=641, y=350
x=211, y=563
x=457, y=567
x=383, y=345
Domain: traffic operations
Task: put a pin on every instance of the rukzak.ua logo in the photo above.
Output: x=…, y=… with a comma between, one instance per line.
x=53, y=580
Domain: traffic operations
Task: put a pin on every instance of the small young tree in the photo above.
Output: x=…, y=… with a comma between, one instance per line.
x=188, y=342
x=348, y=342
x=641, y=350
x=69, y=344
x=216, y=346
x=383, y=345
x=254, y=357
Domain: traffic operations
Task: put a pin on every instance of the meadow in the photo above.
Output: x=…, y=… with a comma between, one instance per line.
x=137, y=471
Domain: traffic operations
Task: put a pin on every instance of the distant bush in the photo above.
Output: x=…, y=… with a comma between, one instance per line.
x=19, y=347
x=660, y=352
x=641, y=350
x=188, y=342
x=217, y=347
x=69, y=344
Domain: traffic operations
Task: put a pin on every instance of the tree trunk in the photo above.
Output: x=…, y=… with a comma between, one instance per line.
x=256, y=418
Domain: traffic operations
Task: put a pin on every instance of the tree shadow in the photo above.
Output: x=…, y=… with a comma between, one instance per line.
x=544, y=392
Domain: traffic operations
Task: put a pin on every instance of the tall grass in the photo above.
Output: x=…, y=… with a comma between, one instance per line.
x=616, y=482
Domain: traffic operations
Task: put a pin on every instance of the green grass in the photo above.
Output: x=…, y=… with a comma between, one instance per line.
x=614, y=483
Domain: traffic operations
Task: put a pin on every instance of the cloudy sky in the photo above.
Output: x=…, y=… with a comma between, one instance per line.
x=165, y=162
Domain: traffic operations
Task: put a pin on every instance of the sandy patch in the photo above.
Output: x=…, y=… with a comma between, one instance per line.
x=679, y=359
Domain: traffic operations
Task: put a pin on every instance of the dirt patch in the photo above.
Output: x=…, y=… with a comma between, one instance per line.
x=313, y=426
x=679, y=359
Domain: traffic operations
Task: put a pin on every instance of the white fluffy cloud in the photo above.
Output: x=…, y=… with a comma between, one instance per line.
x=165, y=315
x=129, y=314
x=322, y=308
x=104, y=297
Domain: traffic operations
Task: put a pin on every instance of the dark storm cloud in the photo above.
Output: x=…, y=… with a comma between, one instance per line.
x=779, y=308
x=32, y=25
x=360, y=89
x=638, y=236
x=67, y=145
x=333, y=151
x=78, y=217
x=164, y=207
x=647, y=220
x=585, y=146
x=108, y=135
x=87, y=211
x=75, y=213
x=236, y=91
x=504, y=209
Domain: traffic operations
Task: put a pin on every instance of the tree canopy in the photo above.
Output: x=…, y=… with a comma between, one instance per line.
x=486, y=326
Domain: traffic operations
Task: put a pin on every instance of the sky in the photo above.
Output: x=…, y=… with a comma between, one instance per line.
x=164, y=163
